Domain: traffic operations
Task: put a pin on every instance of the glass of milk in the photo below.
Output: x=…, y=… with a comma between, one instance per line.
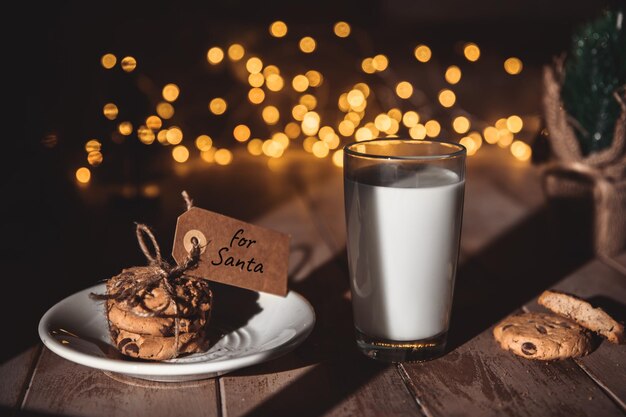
x=404, y=206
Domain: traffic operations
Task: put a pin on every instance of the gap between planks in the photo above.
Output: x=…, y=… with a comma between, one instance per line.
x=21, y=401
x=406, y=379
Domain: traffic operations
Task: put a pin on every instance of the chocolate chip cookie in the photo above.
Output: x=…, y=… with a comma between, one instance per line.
x=156, y=347
x=542, y=336
x=193, y=296
x=583, y=313
x=154, y=326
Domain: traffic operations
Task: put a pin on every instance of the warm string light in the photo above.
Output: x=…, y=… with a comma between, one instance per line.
x=322, y=141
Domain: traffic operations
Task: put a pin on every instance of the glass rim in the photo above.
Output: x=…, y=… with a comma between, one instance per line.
x=460, y=150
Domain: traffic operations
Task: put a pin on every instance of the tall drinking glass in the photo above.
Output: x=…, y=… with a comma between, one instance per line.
x=404, y=206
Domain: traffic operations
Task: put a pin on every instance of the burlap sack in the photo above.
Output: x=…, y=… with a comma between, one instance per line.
x=601, y=175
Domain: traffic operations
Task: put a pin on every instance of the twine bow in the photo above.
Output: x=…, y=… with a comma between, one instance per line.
x=130, y=287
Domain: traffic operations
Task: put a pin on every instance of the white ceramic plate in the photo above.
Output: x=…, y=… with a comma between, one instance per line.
x=76, y=329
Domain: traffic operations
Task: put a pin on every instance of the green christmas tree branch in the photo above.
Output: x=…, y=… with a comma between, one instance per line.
x=595, y=70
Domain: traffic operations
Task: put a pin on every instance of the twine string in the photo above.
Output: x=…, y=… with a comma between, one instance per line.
x=131, y=287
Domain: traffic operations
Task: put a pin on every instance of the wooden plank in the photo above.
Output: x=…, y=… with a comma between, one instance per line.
x=518, y=180
x=345, y=386
x=605, y=287
x=65, y=388
x=15, y=374
x=480, y=379
x=307, y=247
x=326, y=375
x=487, y=214
x=325, y=201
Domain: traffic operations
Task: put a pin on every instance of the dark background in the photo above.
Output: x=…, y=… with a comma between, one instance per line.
x=58, y=238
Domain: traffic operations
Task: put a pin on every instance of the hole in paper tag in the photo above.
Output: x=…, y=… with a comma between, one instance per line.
x=190, y=236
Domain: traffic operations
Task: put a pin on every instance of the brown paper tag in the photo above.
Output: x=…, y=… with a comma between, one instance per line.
x=234, y=252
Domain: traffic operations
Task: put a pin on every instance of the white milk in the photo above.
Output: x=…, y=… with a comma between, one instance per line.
x=402, y=250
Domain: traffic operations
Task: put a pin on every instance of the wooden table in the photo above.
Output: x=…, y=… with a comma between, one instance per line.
x=508, y=257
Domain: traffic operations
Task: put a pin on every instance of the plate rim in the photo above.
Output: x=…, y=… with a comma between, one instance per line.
x=164, y=368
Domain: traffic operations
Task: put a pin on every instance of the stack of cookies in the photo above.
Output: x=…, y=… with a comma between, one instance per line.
x=144, y=325
x=565, y=334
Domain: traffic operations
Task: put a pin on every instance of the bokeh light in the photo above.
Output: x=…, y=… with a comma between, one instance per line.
x=165, y=110
x=154, y=122
x=404, y=89
x=380, y=62
x=367, y=65
x=298, y=111
x=513, y=65
x=514, y=124
x=310, y=123
x=83, y=175
x=433, y=128
x=170, y=92
x=418, y=131
x=204, y=143
x=292, y=130
x=338, y=158
x=110, y=111
x=215, y=55
x=461, y=124
x=309, y=101
x=300, y=83
x=453, y=74
x=469, y=144
x=241, y=133
x=256, y=79
x=255, y=147
x=235, y=52
x=129, y=63
x=93, y=145
x=342, y=29
x=422, y=53
x=383, y=122
x=274, y=82
x=447, y=98
x=270, y=115
x=307, y=44
x=108, y=61
x=254, y=65
x=223, y=156
x=355, y=98
x=410, y=118
x=471, y=52
x=315, y=78
x=521, y=150
x=145, y=135
x=491, y=135
x=363, y=133
x=218, y=106
x=278, y=29
x=180, y=153
x=208, y=156
x=174, y=135
x=256, y=95
x=505, y=138
x=270, y=69
x=320, y=149
x=125, y=128
x=308, y=143
x=346, y=128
